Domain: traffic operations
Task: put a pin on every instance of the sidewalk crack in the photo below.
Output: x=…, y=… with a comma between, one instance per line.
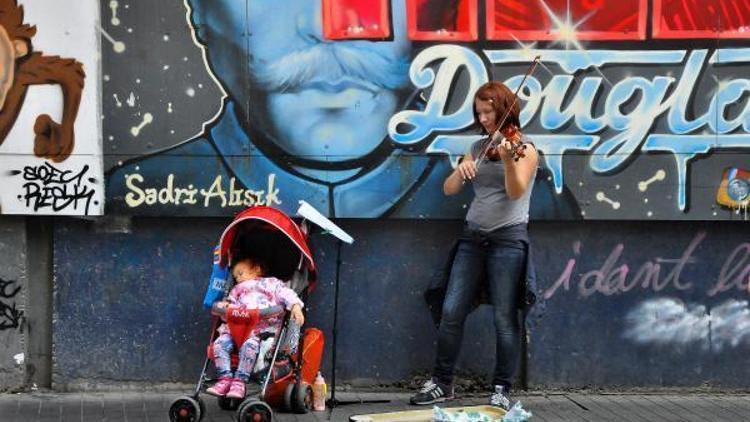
x=576, y=403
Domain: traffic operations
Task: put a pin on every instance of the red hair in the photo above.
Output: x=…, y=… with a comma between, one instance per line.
x=501, y=98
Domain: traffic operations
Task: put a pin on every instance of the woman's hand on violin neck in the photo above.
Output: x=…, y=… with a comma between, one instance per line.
x=518, y=174
x=502, y=151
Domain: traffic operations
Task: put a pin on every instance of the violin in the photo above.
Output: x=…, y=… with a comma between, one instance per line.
x=509, y=132
x=513, y=135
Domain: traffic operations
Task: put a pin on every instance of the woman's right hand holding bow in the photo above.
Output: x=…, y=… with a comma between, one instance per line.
x=467, y=168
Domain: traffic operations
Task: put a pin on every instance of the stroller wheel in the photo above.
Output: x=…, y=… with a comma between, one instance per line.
x=302, y=400
x=254, y=411
x=185, y=409
x=201, y=406
x=225, y=403
x=288, y=397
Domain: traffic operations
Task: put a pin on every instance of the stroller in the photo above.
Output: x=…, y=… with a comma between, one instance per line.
x=292, y=361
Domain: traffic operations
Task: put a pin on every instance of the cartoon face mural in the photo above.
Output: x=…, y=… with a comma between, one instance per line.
x=21, y=68
x=55, y=182
x=362, y=107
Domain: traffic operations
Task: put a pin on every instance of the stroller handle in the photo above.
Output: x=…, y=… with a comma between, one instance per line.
x=265, y=313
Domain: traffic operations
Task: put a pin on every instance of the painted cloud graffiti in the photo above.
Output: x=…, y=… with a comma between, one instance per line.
x=672, y=322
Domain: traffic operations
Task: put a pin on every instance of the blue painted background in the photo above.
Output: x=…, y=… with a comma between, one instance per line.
x=132, y=303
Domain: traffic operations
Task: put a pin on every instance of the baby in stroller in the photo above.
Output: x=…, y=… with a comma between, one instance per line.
x=254, y=291
x=261, y=247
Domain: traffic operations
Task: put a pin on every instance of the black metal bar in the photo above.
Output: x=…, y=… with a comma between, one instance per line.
x=335, y=322
x=332, y=403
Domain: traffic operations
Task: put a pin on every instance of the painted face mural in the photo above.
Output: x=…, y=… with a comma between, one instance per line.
x=362, y=107
x=312, y=97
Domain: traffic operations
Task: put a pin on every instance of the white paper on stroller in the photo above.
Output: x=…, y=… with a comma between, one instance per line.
x=307, y=211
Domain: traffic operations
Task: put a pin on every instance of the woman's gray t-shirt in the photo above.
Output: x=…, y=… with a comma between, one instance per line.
x=491, y=207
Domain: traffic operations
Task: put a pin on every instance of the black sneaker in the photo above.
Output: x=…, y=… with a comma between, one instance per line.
x=432, y=392
x=501, y=398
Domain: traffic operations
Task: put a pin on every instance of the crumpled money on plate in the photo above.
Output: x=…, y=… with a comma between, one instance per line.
x=440, y=415
x=516, y=414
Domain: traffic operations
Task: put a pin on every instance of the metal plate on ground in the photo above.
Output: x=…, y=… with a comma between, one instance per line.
x=425, y=415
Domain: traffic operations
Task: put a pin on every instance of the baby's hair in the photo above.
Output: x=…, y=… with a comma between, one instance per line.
x=252, y=262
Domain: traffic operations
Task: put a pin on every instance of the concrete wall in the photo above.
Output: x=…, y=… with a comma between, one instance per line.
x=628, y=305
x=13, y=293
x=25, y=302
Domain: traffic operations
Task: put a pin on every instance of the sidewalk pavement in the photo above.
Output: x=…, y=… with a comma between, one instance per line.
x=557, y=407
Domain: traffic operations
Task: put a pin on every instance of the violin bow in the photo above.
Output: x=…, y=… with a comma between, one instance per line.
x=483, y=153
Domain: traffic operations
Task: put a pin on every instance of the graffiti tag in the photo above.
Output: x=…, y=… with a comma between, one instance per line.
x=47, y=187
x=735, y=272
x=10, y=316
x=612, y=278
x=226, y=195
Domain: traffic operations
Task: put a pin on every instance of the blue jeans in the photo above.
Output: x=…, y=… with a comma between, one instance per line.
x=502, y=264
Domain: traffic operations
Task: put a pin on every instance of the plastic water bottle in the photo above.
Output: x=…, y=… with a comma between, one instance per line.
x=320, y=392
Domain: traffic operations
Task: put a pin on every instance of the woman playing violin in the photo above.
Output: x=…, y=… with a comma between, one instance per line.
x=491, y=253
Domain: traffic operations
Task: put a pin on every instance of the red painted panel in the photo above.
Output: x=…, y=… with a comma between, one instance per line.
x=442, y=20
x=593, y=19
x=701, y=19
x=356, y=19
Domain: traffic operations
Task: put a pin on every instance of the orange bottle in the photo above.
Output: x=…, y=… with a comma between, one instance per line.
x=320, y=392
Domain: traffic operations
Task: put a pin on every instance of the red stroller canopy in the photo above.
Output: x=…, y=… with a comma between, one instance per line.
x=269, y=230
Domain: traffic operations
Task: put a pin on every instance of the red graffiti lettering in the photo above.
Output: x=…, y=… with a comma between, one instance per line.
x=563, y=280
x=611, y=278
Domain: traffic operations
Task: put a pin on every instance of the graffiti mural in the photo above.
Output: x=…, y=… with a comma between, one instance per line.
x=10, y=316
x=42, y=154
x=656, y=304
x=362, y=108
x=669, y=321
